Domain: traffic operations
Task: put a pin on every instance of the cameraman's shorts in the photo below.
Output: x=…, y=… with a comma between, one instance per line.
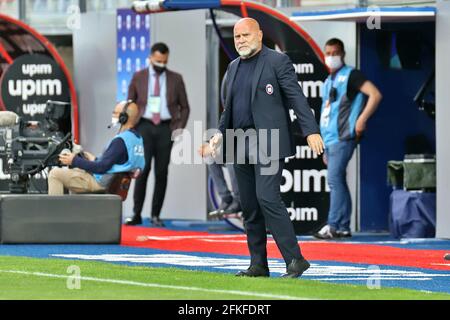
x=75, y=180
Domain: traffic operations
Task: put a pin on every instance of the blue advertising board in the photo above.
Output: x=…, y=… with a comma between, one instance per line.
x=133, y=47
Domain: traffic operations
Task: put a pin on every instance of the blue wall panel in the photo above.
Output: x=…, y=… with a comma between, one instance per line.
x=396, y=118
x=133, y=47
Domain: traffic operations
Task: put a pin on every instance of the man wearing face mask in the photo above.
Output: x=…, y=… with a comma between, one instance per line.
x=348, y=101
x=125, y=153
x=161, y=96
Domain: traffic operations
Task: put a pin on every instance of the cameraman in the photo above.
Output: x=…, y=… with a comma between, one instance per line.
x=125, y=153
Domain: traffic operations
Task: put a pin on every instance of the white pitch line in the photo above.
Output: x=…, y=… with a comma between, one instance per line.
x=441, y=264
x=372, y=279
x=155, y=285
x=198, y=237
x=229, y=241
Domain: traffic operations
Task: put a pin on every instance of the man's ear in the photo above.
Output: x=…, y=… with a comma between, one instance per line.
x=260, y=35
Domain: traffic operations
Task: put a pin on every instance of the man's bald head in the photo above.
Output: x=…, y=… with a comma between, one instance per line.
x=250, y=22
x=132, y=111
x=247, y=37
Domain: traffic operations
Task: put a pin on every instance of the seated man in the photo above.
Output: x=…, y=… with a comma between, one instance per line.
x=125, y=153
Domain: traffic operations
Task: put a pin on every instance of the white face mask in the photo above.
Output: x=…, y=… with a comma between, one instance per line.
x=333, y=62
x=114, y=122
x=159, y=65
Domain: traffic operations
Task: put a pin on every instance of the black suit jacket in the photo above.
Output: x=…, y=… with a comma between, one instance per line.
x=274, y=71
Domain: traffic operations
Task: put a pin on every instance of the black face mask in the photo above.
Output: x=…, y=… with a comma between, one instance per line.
x=159, y=69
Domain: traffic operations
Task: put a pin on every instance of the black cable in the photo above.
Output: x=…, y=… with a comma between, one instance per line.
x=223, y=44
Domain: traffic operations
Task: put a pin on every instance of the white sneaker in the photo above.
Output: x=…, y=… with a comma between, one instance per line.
x=327, y=232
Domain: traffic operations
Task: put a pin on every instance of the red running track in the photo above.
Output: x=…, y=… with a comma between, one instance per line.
x=189, y=241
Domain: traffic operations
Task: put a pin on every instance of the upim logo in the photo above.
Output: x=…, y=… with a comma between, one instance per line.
x=305, y=181
x=304, y=68
x=32, y=69
x=311, y=89
x=303, y=214
x=34, y=108
x=27, y=88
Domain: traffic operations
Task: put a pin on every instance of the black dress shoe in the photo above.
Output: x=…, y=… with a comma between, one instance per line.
x=254, y=271
x=234, y=207
x=296, y=268
x=156, y=222
x=344, y=234
x=133, y=221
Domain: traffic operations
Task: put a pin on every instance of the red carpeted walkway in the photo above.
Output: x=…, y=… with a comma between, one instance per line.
x=186, y=241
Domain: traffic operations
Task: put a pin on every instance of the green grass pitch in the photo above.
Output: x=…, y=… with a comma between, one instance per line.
x=55, y=279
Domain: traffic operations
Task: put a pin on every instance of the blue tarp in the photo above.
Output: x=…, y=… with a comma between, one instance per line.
x=412, y=214
x=190, y=4
x=370, y=10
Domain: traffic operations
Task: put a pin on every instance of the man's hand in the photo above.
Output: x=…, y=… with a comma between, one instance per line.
x=66, y=158
x=205, y=150
x=360, y=127
x=315, y=142
x=216, y=141
x=89, y=156
x=374, y=98
x=209, y=149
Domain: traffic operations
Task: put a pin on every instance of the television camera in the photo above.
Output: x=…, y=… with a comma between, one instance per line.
x=27, y=148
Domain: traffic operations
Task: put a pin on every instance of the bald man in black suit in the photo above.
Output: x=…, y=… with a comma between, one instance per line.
x=260, y=87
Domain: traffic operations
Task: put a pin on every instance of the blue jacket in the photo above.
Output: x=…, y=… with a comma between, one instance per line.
x=135, y=150
x=338, y=121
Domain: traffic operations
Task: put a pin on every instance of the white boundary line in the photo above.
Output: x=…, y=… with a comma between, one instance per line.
x=155, y=285
x=194, y=237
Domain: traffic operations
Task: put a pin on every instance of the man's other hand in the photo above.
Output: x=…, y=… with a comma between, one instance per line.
x=66, y=158
x=360, y=127
x=205, y=150
x=89, y=156
x=315, y=142
x=209, y=149
x=216, y=141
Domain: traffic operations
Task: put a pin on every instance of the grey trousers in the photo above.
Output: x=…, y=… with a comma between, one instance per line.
x=216, y=172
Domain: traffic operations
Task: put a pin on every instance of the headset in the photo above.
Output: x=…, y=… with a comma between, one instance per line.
x=123, y=116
